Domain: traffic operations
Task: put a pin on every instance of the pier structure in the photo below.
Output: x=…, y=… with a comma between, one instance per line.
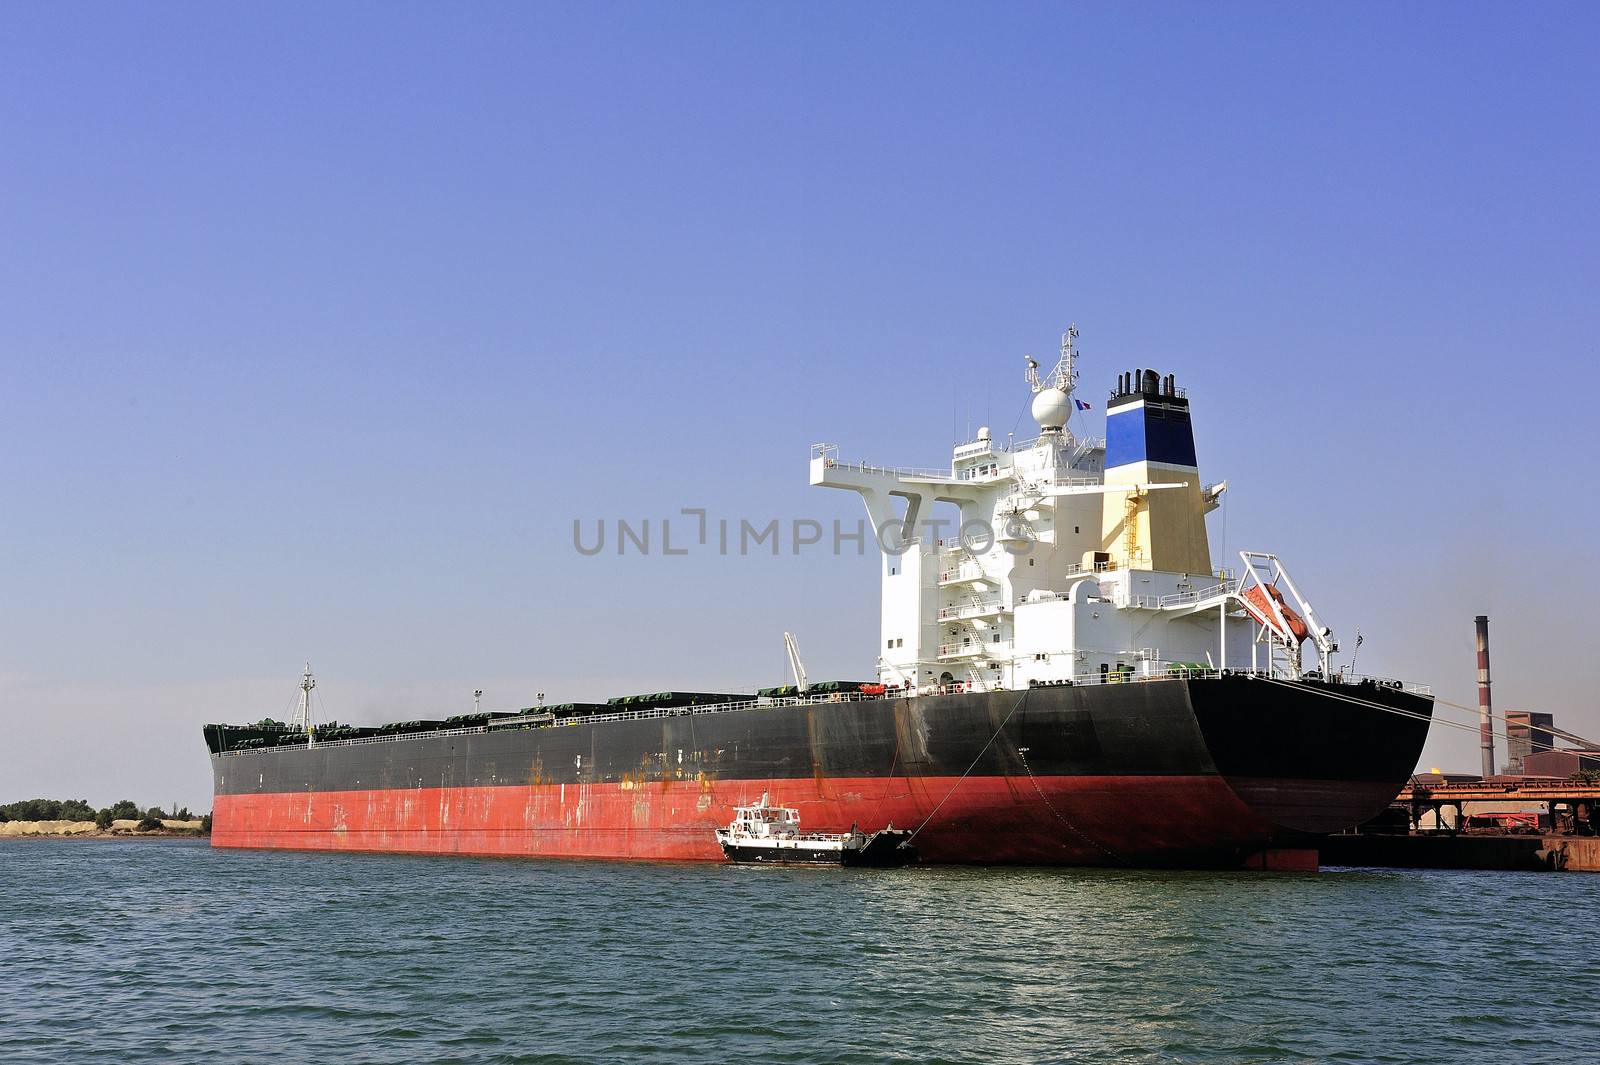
x=1566, y=837
x=1581, y=798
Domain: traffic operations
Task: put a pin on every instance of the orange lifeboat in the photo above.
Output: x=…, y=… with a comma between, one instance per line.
x=1255, y=601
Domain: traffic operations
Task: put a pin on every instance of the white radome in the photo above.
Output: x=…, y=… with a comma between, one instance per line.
x=1051, y=408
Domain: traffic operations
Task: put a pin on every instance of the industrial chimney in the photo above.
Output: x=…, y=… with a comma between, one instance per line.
x=1485, y=707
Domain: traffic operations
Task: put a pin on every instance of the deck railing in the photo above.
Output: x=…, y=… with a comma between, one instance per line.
x=546, y=720
x=972, y=608
x=1198, y=594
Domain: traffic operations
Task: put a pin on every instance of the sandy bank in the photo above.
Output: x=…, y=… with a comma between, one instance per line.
x=87, y=828
x=47, y=828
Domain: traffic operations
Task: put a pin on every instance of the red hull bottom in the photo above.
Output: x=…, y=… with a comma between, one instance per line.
x=1100, y=820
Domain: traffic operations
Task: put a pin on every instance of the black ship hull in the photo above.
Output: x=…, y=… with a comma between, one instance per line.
x=1202, y=771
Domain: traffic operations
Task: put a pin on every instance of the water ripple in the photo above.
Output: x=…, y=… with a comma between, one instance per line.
x=142, y=951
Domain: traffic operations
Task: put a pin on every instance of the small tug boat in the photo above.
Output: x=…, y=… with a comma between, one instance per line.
x=771, y=835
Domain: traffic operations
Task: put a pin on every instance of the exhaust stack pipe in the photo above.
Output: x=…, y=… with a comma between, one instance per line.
x=1485, y=707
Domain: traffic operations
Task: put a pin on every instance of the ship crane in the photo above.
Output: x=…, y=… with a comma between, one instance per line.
x=796, y=667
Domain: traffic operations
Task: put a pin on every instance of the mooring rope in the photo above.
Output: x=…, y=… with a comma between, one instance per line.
x=1398, y=711
x=1439, y=702
x=970, y=768
x=1414, y=715
x=1504, y=722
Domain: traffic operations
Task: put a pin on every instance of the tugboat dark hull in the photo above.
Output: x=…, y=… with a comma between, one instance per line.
x=880, y=850
x=1214, y=771
x=771, y=856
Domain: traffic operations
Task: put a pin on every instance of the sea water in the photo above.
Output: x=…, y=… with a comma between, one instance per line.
x=168, y=951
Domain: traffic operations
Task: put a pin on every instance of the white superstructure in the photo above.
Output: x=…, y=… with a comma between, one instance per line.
x=1075, y=558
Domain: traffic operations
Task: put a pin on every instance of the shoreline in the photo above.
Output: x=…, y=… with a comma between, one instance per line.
x=120, y=829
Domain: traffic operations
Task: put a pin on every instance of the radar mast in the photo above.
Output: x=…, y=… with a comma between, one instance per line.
x=303, y=715
x=1065, y=374
x=1052, y=393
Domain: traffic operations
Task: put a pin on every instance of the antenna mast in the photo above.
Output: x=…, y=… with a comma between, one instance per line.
x=307, y=682
x=1065, y=374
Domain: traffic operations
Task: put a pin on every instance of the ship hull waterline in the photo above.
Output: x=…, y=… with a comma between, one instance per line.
x=1191, y=773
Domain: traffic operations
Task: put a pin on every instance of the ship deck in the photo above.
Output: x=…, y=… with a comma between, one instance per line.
x=546, y=720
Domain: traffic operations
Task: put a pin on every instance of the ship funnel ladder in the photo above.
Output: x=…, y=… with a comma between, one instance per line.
x=1133, y=555
x=1279, y=628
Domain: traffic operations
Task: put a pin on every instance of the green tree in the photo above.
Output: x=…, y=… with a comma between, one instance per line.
x=125, y=810
x=154, y=814
x=149, y=824
x=33, y=810
x=103, y=819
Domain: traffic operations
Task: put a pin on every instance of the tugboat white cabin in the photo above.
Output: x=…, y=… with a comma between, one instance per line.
x=765, y=833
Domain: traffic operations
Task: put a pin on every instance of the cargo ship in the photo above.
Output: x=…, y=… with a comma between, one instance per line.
x=1066, y=677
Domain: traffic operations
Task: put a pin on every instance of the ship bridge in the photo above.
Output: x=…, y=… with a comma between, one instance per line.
x=1072, y=555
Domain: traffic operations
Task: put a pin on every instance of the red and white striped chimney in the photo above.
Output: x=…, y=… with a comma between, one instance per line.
x=1485, y=707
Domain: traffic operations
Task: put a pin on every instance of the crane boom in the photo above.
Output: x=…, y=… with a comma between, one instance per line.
x=795, y=665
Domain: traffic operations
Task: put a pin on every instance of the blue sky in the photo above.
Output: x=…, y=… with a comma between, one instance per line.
x=318, y=328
